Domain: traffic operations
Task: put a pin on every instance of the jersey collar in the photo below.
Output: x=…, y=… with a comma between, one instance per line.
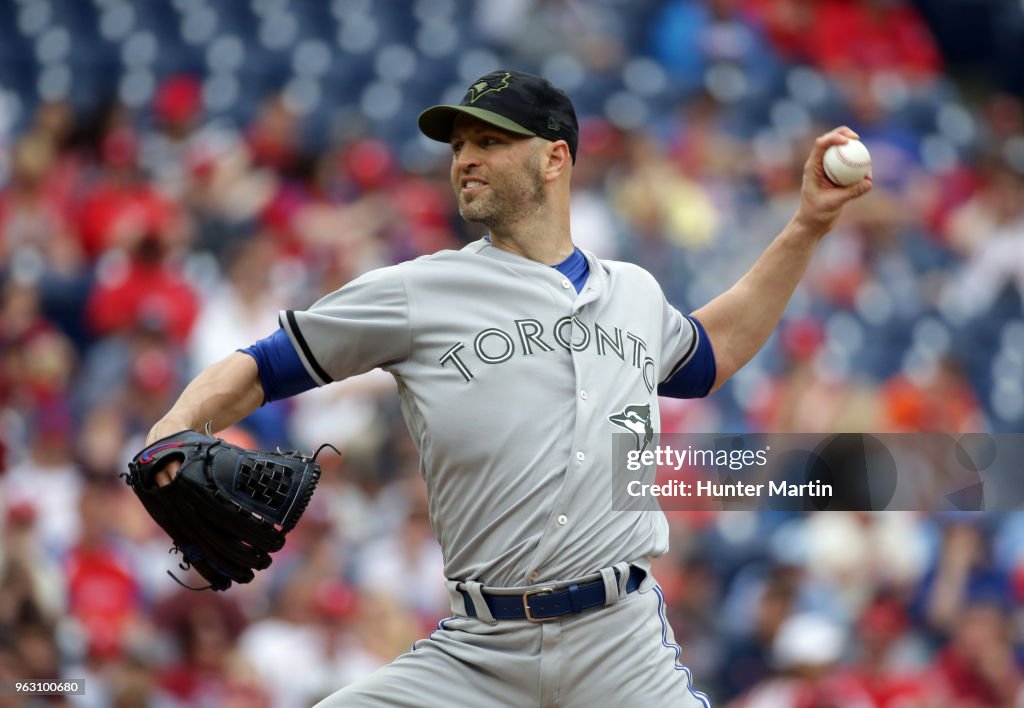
x=596, y=281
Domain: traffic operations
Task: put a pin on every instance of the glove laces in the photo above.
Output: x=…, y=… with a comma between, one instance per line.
x=185, y=564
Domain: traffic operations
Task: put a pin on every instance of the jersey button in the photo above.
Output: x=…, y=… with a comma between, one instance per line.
x=583, y=395
x=566, y=284
x=580, y=456
x=532, y=577
x=563, y=520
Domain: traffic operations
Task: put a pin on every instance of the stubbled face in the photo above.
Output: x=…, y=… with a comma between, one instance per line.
x=496, y=175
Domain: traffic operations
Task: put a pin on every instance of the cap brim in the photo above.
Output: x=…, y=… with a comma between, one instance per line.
x=436, y=122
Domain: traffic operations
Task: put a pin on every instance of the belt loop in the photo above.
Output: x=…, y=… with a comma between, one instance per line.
x=574, y=602
x=611, y=587
x=623, y=570
x=458, y=600
x=483, y=612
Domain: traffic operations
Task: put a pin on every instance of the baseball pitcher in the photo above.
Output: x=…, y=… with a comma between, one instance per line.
x=517, y=359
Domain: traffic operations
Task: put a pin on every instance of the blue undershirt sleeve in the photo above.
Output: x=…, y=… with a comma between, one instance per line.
x=695, y=378
x=281, y=371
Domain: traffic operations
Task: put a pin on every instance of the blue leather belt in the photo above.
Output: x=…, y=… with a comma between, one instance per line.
x=544, y=604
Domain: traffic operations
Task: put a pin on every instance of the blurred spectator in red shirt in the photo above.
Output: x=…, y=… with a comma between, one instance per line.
x=786, y=23
x=872, y=36
x=210, y=672
x=122, y=208
x=103, y=595
x=142, y=286
x=891, y=666
x=273, y=137
x=978, y=666
x=966, y=599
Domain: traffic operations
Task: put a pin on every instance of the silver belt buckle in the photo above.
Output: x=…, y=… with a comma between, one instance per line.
x=526, y=605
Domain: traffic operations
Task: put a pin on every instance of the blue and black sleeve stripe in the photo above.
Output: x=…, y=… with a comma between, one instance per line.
x=694, y=375
x=280, y=368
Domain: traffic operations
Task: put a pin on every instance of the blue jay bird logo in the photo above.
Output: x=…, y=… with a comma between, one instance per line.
x=488, y=85
x=637, y=420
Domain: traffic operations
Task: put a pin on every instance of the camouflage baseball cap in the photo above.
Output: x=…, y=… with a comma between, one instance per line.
x=515, y=101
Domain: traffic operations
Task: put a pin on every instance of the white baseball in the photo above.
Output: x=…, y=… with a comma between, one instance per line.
x=847, y=164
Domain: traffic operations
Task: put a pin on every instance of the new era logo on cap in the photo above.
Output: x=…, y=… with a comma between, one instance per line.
x=514, y=101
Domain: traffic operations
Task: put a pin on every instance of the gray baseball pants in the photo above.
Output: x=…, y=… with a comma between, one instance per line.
x=619, y=655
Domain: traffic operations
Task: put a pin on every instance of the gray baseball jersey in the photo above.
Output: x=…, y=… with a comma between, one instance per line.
x=511, y=384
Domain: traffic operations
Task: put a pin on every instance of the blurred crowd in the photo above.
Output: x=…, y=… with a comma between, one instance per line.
x=151, y=226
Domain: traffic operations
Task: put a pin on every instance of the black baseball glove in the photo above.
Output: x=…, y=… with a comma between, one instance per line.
x=227, y=509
